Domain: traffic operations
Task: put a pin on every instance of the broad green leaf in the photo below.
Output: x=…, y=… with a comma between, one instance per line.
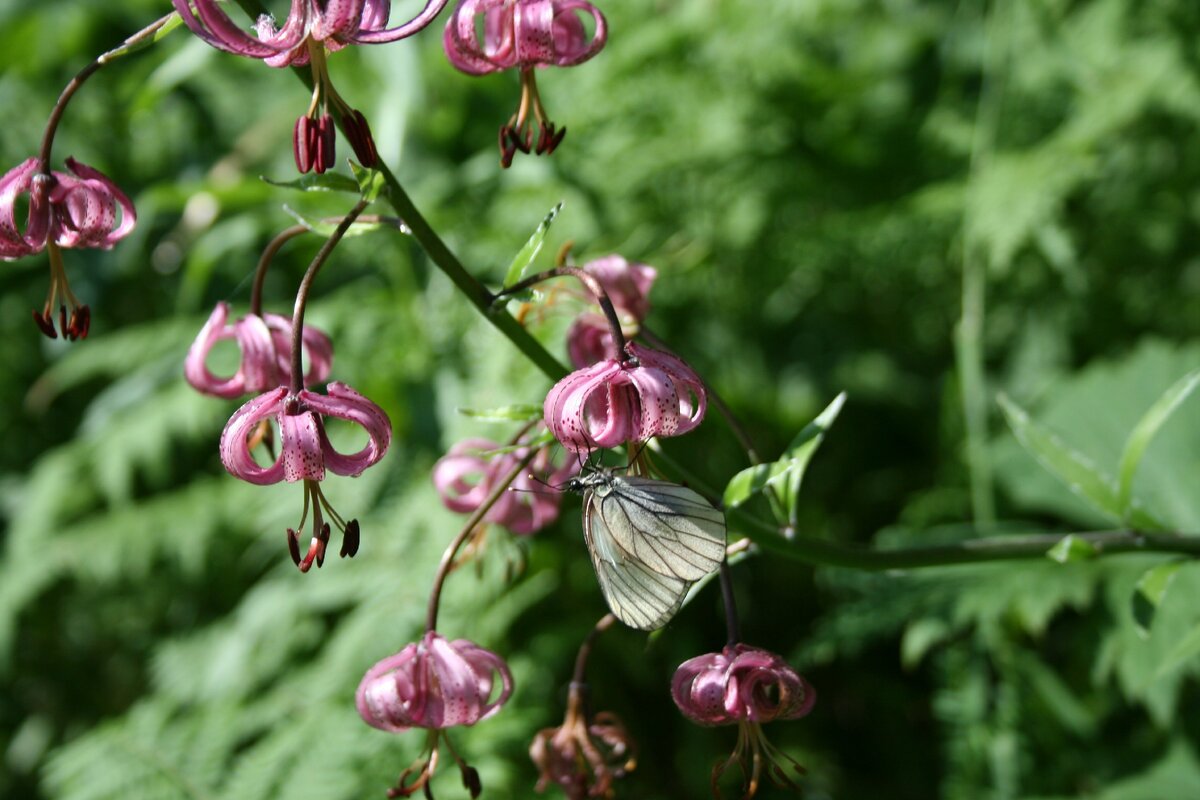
x=371, y=182
x=1144, y=431
x=1071, y=548
x=1081, y=476
x=518, y=412
x=325, y=226
x=787, y=473
x=325, y=182
x=1149, y=593
x=526, y=255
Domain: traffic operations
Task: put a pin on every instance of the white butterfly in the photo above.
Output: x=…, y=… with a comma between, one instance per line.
x=650, y=540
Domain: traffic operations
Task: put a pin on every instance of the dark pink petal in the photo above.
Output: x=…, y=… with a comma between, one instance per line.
x=85, y=209
x=318, y=347
x=258, y=347
x=461, y=42
x=627, y=283
x=215, y=27
x=18, y=239
x=373, y=35
x=740, y=684
x=235, y=452
x=345, y=403
x=589, y=340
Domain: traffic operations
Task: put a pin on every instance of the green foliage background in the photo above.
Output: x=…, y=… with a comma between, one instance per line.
x=810, y=177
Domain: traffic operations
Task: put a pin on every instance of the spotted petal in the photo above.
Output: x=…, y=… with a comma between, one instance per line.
x=345, y=403
x=235, y=449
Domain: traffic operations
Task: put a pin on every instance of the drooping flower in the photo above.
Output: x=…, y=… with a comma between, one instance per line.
x=585, y=754
x=469, y=472
x=265, y=344
x=521, y=35
x=646, y=393
x=312, y=29
x=627, y=284
x=747, y=686
x=81, y=209
x=305, y=452
x=433, y=684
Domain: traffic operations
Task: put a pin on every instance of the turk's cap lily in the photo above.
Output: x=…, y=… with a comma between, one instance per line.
x=305, y=449
x=333, y=24
x=740, y=683
x=79, y=209
x=522, y=34
x=265, y=344
x=434, y=684
x=469, y=472
x=646, y=393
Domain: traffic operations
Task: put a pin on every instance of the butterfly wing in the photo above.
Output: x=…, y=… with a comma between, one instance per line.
x=670, y=529
x=649, y=541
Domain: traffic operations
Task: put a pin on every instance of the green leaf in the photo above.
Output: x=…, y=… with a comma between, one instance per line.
x=134, y=43
x=371, y=183
x=325, y=182
x=526, y=255
x=1081, y=476
x=517, y=412
x=787, y=473
x=1071, y=548
x=1149, y=593
x=325, y=226
x=1144, y=431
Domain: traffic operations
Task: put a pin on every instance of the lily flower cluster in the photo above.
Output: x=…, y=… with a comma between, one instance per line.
x=746, y=686
x=313, y=29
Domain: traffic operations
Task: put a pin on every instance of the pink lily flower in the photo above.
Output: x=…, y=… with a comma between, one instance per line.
x=468, y=473
x=645, y=394
x=305, y=452
x=521, y=35
x=433, y=684
x=64, y=211
x=312, y=29
x=266, y=346
x=628, y=284
x=747, y=686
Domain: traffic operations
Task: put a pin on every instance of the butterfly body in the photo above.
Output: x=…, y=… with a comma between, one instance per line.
x=649, y=541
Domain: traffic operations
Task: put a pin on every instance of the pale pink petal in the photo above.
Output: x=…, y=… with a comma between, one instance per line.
x=317, y=346
x=589, y=340
x=235, y=452
x=627, y=283
x=460, y=476
x=385, y=695
x=301, y=445
x=461, y=41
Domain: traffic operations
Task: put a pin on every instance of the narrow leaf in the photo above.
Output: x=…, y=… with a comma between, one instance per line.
x=325, y=226
x=1071, y=467
x=1144, y=431
x=526, y=255
x=325, y=182
x=1149, y=593
x=1071, y=548
x=518, y=412
x=789, y=468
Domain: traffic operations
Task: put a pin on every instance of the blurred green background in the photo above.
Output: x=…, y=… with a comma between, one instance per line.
x=811, y=178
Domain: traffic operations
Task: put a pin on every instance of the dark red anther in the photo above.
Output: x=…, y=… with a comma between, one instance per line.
x=358, y=132
x=350, y=540
x=470, y=778
x=81, y=322
x=550, y=139
x=294, y=545
x=325, y=143
x=45, y=324
x=300, y=144
x=522, y=139
x=507, y=149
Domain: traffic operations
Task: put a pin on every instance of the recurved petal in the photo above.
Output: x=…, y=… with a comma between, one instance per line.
x=461, y=41
x=318, y=347
x=427, y=15
x=386, y=694
x=592, y=408
x=28, y=236
x=659, y=402
x=85, y=209
x=627, y=283
x=215, y=27
x=461, y=476
x=195, y=368
x=551, y=32
x=345, y=403
x=467, y=674
x=235, y=451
